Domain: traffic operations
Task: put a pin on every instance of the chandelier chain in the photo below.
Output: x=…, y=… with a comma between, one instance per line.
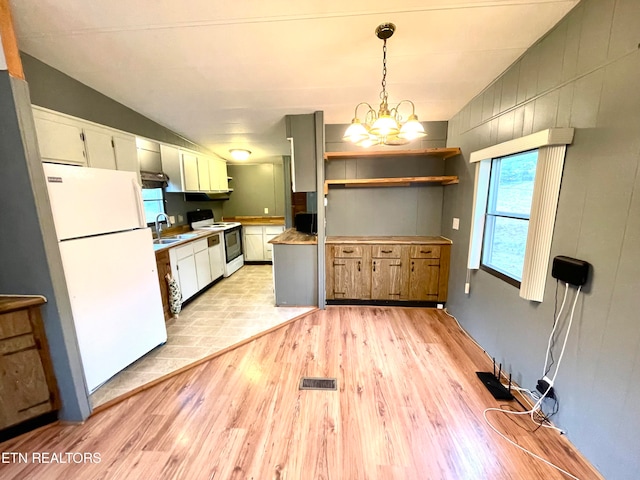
x=383, y=94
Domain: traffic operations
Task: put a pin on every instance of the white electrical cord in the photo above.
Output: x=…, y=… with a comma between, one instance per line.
x=541, y=398
x=555, y=324
x=539, y=402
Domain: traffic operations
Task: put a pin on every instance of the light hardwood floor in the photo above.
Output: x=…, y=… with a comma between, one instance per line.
x=408, y=406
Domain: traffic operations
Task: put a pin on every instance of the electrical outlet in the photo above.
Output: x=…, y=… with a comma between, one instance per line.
x=172, y=219
x=456, y=224
x=266, y=210
x=544, y=387
x=180, y=218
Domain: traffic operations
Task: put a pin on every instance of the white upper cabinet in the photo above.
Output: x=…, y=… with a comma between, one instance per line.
x=59, y=142
x=126, y=153
x=218, y=175
x=100, y=151
x=204, y=182
x=69, y=140
x=190, y=172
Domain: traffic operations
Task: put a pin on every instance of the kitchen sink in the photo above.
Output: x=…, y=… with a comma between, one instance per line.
x=166, y=241
x=184, y=236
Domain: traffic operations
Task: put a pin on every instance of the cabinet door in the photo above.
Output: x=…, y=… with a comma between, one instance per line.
x=190, y=170
x=253, y=247
x=59, y=142
x=204, y=182
x=218, y=175
x=270, y=233
x=301, y=130
x=171, y=165
x=163, y=266
x=348, y=278
x=386, y=279
x=216, y=260
x=126, y=154
x=100, y=152
x=423, y=279
x=188, y=277
x=203, y=268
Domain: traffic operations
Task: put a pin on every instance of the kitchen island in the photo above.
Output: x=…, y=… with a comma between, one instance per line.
x=295, y=268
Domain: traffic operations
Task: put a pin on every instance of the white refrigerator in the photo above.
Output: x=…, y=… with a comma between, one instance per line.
x=109, y=266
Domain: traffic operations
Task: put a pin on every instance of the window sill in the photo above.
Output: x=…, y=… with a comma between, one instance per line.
x=501, y=276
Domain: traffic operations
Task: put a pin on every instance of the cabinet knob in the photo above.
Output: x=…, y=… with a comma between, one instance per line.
x=425, y=251
x=387, y=251
x=412, y=265
x=374, y=266
x=348, y=251
x=359, y=265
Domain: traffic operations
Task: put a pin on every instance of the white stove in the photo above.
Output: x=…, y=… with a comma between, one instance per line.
x=203, y=220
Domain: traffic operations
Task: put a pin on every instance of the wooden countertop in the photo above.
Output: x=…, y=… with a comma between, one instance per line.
x=248, y=220
x=9, y=303
x=408, y=240
x=293, y=237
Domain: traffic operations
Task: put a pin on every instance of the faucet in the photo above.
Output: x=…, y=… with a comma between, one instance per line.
x=159, y=224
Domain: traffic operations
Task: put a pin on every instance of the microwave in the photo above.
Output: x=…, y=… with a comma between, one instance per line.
x=307, y=223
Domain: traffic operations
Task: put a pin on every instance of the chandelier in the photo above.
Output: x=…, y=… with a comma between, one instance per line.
x=386, y=126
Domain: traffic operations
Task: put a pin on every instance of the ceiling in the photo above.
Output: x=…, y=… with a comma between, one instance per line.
x=224, y=74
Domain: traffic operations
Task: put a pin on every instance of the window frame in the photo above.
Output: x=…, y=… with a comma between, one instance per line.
x=552, y=145
x=163, y=203
x=491, y=214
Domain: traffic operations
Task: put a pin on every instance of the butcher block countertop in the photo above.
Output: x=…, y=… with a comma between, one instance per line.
x=293, y=237
x=408, y=240
x=248, y=220
x=9, y=303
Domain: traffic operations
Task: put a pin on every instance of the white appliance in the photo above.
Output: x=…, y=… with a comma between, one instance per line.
x=203, y=220
x=109, y=267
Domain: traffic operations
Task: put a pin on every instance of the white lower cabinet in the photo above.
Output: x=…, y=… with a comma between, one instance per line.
x=216, y=256
x=190, y=266
x=256, y=241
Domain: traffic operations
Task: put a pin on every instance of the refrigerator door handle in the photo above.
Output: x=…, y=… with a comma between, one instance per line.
x=138, y=197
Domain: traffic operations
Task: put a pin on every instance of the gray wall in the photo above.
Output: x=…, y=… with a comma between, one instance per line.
x=29, y=255
x=50, y=88
x=583, y=74
x=57, y=91
x=255, y=187
x=414, y=210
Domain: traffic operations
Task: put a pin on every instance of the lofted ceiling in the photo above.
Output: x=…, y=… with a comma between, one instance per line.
x=224, y=74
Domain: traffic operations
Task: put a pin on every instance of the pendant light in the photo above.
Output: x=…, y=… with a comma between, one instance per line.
x=386, y=126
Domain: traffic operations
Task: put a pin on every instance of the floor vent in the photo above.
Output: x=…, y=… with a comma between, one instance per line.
x=308, y=383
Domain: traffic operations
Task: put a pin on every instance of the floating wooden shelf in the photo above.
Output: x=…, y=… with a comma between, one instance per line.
x=390, y=182
x=426, y=152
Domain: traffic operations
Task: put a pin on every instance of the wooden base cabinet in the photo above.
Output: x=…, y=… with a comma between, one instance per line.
x=28, y=388
x=411, y=272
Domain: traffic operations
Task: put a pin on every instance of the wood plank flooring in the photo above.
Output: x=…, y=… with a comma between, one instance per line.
x=408, y=406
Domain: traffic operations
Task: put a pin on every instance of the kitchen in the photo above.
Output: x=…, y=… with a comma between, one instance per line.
x=597, y=53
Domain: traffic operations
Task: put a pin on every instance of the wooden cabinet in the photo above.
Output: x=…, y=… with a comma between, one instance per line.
x=28, y=388
x=190, y=173
x=193, y=172
x=256, y=242
x=164, y=267
x=100, y=149
x=388, y=271
x=191, y=267
x=349, y=271
x=126, y=153
x=203, y=267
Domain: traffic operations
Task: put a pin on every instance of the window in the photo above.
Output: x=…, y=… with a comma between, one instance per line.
x=517, y=208
x=153, y=201
x=507, y=216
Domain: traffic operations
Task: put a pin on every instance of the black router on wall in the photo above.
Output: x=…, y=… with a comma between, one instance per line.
x=494, y=385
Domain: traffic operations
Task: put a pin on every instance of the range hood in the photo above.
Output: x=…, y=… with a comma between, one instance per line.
x=206, y=197
x=150, y=163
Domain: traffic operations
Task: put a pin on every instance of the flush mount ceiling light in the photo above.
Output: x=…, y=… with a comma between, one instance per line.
x=386, y=126
x=239, y=153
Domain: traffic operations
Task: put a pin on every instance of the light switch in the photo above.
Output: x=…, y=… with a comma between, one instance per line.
x=266, y=210
x=172, y=219
x=180, y=218
x=456, y=224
